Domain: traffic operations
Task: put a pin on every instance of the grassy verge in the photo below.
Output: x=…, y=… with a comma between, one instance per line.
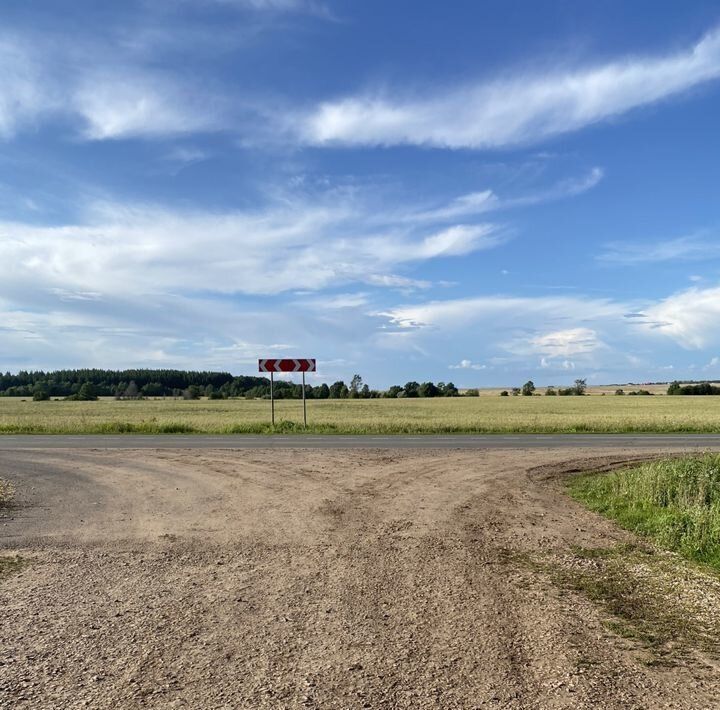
x=675, y=503
x=650, y=595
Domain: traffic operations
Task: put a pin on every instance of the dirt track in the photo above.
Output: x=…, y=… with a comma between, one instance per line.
x=285, y=579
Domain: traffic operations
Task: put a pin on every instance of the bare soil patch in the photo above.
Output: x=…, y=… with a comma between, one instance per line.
x=331, y=579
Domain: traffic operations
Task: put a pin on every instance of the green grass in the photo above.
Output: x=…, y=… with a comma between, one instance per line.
x=482, y=415
x=675, y=503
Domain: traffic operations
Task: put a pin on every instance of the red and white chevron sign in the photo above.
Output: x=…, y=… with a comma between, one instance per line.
x=286, y=365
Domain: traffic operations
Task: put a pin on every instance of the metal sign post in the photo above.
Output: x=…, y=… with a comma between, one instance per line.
x=304, y=407
x=287, y=365
x=272, y=401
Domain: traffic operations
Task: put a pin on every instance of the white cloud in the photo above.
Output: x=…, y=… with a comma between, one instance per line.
x=402, y=283
x=508, y=311
x=482, y=202
x=125, y=330
x=118, y=104
x=564, y=331
x=305, y=6
x=563, y=343
x=467, y=365
x=691, y=248
x=559, y=333
x=458, y=241
x=341, y=301
x=42, y=79
x=511, y=109
x=548, y=364
x=286, y=246
x=691, y=318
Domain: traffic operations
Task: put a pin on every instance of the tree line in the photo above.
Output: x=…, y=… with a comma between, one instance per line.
x=702, y=388
x=529, y=390
x=107, y=383
x=88, y=384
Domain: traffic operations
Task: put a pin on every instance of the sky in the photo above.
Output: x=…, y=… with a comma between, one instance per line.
x=482, y=193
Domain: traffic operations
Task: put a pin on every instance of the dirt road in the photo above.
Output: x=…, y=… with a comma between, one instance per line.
x=313, y=579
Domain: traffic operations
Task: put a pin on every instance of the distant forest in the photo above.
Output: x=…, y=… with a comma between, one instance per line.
x=693, y=389
x=188, y=384
x=136, y=384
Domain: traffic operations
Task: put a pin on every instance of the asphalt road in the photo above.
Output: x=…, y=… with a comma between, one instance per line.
x=488, y=441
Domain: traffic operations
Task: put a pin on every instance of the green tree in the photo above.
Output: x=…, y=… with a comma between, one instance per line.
x=41, y=392
x=428, y=389
x=528, y=389
x=411, y=389
x=393, y=391
x=580, y=387
x=86, y=393
x=153, y=389
x=192, y=392
x=449, y=390
x=322, y=391
x=674, y=388
x=338, y=390
x=550, y=392
x=355, y=385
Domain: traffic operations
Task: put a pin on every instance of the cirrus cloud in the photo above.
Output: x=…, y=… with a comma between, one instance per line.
x=511, y=110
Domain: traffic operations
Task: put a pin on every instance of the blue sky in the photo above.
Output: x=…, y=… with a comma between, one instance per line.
x=478, y=192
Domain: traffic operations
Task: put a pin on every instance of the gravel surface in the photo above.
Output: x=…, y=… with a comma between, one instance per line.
x=312, y=579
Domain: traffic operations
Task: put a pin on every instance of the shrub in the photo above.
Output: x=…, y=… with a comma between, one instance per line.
x=472, y=392
x=41, y=393
x=504, y=393
x=449, y=390
x=86, y=393
x=192, y=392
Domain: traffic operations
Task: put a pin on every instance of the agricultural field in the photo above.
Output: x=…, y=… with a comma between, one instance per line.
x=595, y=414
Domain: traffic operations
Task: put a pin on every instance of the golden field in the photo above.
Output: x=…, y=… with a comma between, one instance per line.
x=483, y=414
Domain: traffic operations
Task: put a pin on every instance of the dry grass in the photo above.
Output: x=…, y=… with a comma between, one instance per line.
x=383, y=416
x=6, y=493
x=667, y=604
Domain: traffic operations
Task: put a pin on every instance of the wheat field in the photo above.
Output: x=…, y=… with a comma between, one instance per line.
x=376, y=416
